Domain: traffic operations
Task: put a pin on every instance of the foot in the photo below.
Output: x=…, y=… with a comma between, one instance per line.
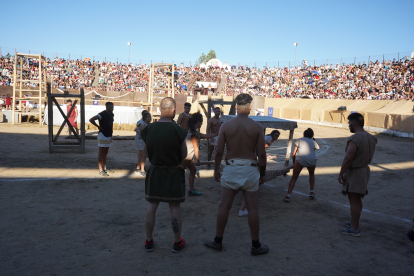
x=348, y=224
x=350, y=231
x=312, y=195
x=193, y=193
x=143, y=174
x=262, y=250
x=138, y=171
x=178, y=246
x=243, y=213
x=109, y=171
x=103, y=173
x=287, y=198
x=213, y=245
x=149, y=245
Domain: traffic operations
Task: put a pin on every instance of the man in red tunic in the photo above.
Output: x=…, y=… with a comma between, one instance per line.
x=73, y=117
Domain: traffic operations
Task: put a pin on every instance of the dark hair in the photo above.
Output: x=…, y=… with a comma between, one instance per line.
x=274, y=132
x=308, y=133
x=243, y=99
x=197, y=117
x=145, y=115
x=143, y=112
x=217, y=107
x=69, y=101
x=357, y=118
x=108, y=104
x=187, y=104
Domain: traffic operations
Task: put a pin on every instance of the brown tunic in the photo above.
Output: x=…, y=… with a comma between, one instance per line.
x=184, y=121
x=357, y=176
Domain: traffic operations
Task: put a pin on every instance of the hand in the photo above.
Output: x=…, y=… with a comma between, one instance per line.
x=261, y=180
x=198, y=163
x=217, y=175
x=341, y=179
x=100, y=129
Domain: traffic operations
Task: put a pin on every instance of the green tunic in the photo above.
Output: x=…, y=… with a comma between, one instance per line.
x=165, y=181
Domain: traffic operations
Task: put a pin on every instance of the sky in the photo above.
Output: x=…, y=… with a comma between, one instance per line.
x=240, y=32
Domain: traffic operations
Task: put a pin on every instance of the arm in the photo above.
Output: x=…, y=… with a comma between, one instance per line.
x=195, y=145
x=261, y=154
x=92, y=121
x=349, y=156
x=219, y=154
x=206, y=136
x=180, y=118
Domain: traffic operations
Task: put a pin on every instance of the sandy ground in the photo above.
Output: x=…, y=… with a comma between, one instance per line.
x=59, y=218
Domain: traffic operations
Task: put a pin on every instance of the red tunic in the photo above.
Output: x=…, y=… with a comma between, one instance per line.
x=72, y=116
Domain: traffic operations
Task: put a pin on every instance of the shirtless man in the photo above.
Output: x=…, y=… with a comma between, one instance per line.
x=182, y=120
x=241, y=135
x=213, y=126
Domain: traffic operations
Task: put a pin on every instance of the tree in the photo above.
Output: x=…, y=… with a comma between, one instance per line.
x=204, y=59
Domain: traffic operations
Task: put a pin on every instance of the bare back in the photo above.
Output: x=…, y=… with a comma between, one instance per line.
x=241, y=135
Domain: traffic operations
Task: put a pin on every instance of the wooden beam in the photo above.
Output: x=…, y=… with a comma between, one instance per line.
x=82, y=106
x=32, y=81
x=63, y=124
x=66, y=119
x=28, y=55
x=50, y=115
x=204, y=109
x=14, y=87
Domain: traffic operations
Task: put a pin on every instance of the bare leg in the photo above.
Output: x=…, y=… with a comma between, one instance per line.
x=191, y=177
x=297, y=168
x=253, y=213
x=100, y=156
x=105, y=153
x=139, y=160
x=176, y=220
x=356, y=208
x=142, y=165
x=311, y=171
x=210, y=152
x=150, y=219
x=227, y=196
x=243, y=205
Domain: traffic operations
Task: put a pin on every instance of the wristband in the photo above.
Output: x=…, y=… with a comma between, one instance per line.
x=262, y=170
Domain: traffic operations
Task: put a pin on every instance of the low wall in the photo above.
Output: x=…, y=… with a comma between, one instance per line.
x=387, y=114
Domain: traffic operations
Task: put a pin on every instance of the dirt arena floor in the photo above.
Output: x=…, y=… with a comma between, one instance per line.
x=59, y=218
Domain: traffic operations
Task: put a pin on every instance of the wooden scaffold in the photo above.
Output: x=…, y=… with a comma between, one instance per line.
x=51, y=100
x=18, y=78
x=170, y=90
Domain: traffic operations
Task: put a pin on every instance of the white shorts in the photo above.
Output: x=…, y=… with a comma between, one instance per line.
x=139, y=143
x=104, y=142
x=213, y=141
x=240, y=175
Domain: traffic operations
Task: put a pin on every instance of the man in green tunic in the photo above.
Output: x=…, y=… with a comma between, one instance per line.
x=165, y=148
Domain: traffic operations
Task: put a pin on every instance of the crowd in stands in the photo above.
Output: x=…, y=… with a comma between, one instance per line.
x=374, y=81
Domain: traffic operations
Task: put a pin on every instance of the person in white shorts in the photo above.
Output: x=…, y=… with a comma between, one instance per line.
x=106, y=121
x=304, y=155
x=139, y=143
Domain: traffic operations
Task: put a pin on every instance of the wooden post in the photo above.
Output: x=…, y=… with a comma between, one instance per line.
x=82, y=109
x=50, y=114
x=172, y=81
x=40, y=89
x=20, y=89
x=289, y=148
x=14, y=86
x=198, y=102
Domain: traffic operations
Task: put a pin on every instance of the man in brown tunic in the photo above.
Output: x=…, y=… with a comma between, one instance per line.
x=355, y=172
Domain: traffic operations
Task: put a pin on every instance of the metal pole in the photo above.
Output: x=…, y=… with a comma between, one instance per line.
x=369, y=57
x=81, y=58
x=340, y=64
x=314, y=63
x=398, y=55
x=129, y=51
x=266, y=64
x=383, y=57
x=255, y=64
x=296, y=47
x=289, y=65
x=278, y=64
x=69, y=56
